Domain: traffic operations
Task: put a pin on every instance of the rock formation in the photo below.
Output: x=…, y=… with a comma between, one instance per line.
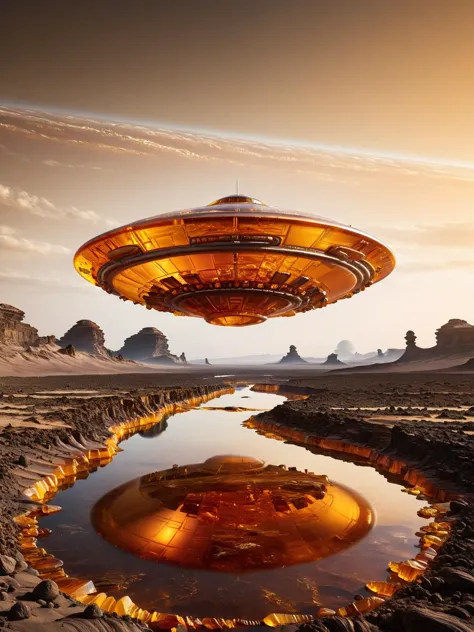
x=14, y=332
x=206, y=361
x=85, y=336
x=455, y=336
x=148, y=345
x=410, y=339
x=292, y=357
x=333, y=360
x=380, y=353
x=454, y=344
x=182, y=358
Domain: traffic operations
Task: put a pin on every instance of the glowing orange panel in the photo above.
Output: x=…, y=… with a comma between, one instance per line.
x=236, y=262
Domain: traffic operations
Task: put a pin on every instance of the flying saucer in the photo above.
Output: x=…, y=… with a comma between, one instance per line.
x=236, y=262
x=232, y=514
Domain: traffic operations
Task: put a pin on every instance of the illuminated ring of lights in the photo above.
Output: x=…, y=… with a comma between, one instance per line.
x=108, y=271
x=245, y=317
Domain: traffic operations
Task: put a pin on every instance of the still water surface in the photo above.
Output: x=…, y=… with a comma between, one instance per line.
x=194, y=436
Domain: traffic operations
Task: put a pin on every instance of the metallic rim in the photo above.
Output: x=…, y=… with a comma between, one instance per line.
x=243, y=210
x=362, y=271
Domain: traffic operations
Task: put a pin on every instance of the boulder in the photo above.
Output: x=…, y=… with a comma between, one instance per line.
x=93, y=612
x=46, y=590
x=19, y=611
x=7, y=565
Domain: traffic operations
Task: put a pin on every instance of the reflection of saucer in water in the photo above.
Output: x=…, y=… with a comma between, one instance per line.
x=232, y=514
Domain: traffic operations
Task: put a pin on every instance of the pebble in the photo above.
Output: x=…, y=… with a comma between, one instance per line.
x=93, y=612
x=7, y=565
x=19, y=611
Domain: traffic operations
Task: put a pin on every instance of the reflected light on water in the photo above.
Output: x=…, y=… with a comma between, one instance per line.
x=232, y=516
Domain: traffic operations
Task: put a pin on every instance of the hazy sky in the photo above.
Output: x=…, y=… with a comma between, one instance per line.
x=358, y=111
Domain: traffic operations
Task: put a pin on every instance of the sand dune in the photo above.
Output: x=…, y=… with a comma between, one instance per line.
x=46, y=360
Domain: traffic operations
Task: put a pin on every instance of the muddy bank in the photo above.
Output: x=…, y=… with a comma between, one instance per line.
x=443, y=598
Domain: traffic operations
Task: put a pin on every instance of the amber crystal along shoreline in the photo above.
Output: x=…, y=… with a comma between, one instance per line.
x=235, y=262
x=78, y=459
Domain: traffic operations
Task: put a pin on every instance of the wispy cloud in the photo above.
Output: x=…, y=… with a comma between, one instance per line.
x=437, y=265
x=14, y=277
x=10, y=240
x=322, y=161
x=446, y=235
x=42, y=207
x=68, y=165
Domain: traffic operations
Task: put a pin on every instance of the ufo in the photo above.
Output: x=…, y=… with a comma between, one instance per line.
x=232, y=514
x=235, y=262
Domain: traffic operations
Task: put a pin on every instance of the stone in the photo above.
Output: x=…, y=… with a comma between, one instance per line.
x=46, y=589
x=459, y=611
x=423, y=620
x=19, y=611
x=363, y=626
x=458, y=579
x=292, y=357
x=339, y=624
x=456, y=506
x=92, y=611
x=7, y=565
x=85, y=336
x=68, y=350
x=3, y=595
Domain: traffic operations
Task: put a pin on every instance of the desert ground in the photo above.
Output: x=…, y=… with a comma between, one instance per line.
x=424, y=419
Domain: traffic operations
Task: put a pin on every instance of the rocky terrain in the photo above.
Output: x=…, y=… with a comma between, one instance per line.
x=81, y=350
x=429, y=428
x=38, y=430
x=454, y=348
x=424, y=420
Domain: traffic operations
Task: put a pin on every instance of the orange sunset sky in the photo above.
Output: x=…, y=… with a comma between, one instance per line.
x=360, y=111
